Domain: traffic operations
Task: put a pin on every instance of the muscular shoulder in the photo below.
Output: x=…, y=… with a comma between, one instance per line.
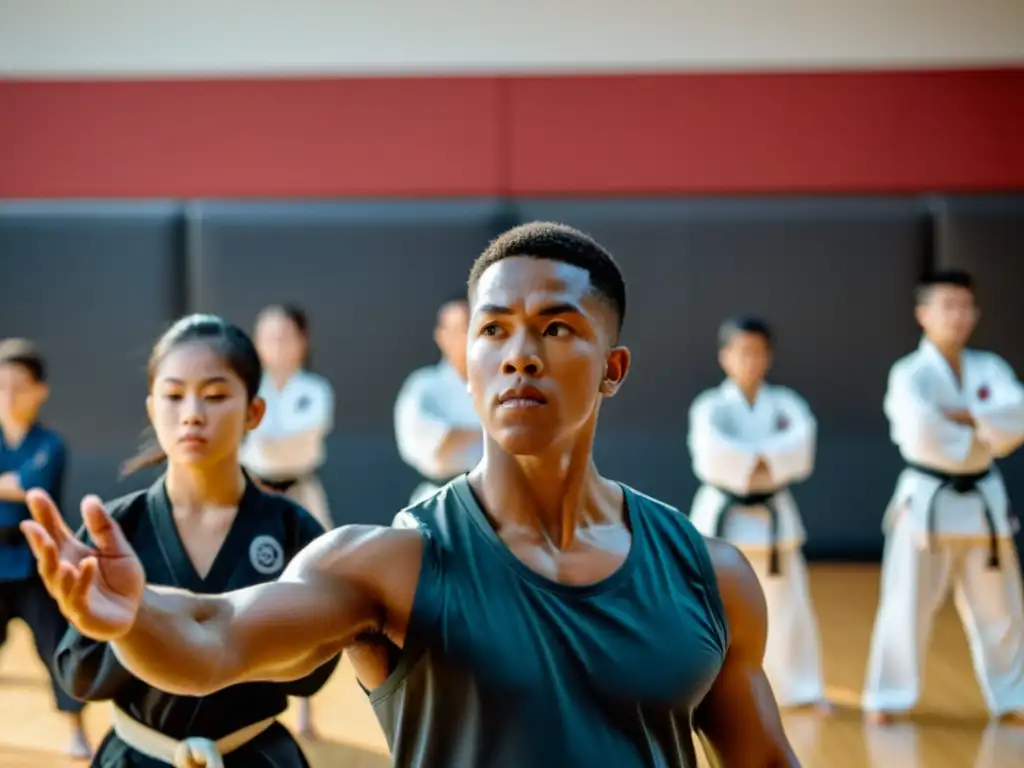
x=742, y=597
x=372, y=556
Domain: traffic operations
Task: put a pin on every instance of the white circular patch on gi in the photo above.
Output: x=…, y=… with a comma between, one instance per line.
x=266, y=555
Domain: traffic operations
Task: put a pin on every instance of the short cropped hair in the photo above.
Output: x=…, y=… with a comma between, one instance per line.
x=561, y=243
x=956, y=277
x=24, y=353
x=744, y=324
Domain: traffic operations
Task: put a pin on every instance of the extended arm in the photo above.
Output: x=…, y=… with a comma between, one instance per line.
x=428, y=441
x=739, y=719
x=336, y=589
x=719, y=458
x=1000, y=419
x=918, y=426
x=789, y=452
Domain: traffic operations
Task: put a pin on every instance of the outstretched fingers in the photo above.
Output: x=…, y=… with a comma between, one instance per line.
x=43, y=549
x=106, y=534
x=45, y=512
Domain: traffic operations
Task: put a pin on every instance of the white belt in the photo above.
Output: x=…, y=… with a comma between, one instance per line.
x=189, y=753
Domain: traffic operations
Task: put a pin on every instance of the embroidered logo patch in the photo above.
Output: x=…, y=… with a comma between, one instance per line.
x=303, y=403
x=266, y=555
x=782, y=422
x=983, y=392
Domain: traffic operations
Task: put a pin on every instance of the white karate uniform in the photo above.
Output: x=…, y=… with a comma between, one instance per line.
x=289, y=444
x=918, y=569
x=433, y=401
x=727, y=436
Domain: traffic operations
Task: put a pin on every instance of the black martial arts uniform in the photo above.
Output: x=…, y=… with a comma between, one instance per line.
x=268, y=531
x=39, y=461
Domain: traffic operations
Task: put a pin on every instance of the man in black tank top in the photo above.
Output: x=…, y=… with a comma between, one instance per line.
x=530, y=613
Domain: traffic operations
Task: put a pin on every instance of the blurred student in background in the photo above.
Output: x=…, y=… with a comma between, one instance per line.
x=288, y=447
x=31, y=456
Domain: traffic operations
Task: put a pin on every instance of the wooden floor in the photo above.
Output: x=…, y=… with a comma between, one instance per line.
x=951, y=728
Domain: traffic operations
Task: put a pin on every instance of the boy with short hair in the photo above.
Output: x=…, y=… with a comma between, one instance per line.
x=31, y=456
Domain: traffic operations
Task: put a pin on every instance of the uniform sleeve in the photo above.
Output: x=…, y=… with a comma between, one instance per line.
x=918, y=427
x=719, y=458
x=421, y=430
x=309, y=530
x=1000, y=417
x=45, y=469
x=88, y=670
x=317, y=417
x=789, y=453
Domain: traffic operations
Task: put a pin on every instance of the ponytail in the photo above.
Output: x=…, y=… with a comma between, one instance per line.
x=151, y=455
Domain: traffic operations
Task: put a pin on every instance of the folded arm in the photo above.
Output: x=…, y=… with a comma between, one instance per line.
x=739, y=720
x=919, y=427
x=315, y=419
x=428, y=441
x=789, y=452
x=1000, y=420
x=719, y=458
x=344, y=584
x=44, y=470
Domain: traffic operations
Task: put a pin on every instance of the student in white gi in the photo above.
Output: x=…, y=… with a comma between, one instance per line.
x=287, y=448
x=749, y=441
x=952, y=411
x=436, y=426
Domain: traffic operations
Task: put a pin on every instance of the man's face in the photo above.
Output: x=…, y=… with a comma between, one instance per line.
x=21, y=396
x=948, y=315
x=541, y=353
x=746, y=359
x=450, y=334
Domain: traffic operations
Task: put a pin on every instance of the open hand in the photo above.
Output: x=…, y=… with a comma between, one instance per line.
x=99, y=588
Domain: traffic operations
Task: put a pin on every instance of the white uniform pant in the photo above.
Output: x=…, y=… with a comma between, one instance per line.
x=309, y=494
x=915, y=582
x=792, y=659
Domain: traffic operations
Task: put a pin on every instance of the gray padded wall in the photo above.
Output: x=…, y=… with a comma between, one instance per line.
x=371, y=276
x=835, y=278
x=93, y=284
x=985, y=235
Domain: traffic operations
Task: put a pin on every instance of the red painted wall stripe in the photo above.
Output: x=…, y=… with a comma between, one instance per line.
x=677, y=133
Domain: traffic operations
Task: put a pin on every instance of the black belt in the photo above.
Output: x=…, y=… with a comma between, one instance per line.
x=11, y=536
x=961, y=484
x=766, y=500
x=281, y=486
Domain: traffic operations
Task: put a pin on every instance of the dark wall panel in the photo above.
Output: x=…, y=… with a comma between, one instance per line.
x=834, y=277
x=93, y=285
x=986, y=237
x=372, y=276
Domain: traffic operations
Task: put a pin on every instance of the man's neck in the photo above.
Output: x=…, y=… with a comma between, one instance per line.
x=14, y=433
x=951, y=353
x=555, y=494
x=193, y=488
x=749, y=391
x=280, y=378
